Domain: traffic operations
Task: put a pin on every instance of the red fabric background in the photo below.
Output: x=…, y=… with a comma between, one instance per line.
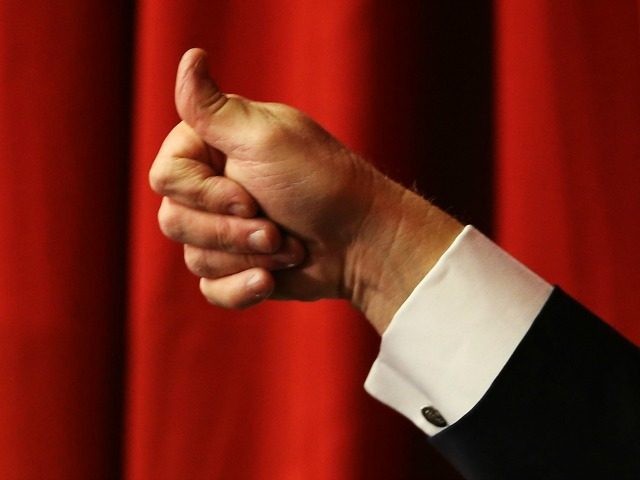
x=63, y=138
x=113, y=368
x=568, y=148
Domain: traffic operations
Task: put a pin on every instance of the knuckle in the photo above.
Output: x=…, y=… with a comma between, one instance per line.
x=223, y=236
x=292, y=117
x=201, y=113
x=159, y=177
x=225, y=294
x=170, y=222
x=215, y=297
x=192, y=260
x=271, y=136
x=211, y=105
x=298, y=118
x=208, y=192
x=196, y=262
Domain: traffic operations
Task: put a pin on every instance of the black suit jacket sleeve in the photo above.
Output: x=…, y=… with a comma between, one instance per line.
x=566, y=405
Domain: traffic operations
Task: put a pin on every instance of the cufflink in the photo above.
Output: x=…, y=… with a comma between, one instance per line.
x=433, y=416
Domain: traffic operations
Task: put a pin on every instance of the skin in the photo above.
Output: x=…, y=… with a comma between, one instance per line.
x=270, y=205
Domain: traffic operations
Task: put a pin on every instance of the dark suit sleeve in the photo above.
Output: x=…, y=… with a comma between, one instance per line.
x=566, y=405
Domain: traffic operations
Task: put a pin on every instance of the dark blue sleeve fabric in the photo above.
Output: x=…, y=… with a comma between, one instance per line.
x=566, y=405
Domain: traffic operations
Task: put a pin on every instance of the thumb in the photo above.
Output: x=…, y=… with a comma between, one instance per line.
x=217, y=118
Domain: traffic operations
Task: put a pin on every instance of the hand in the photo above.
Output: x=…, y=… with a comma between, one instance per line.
x=362, y=232
x=299, y=175
x=214, y=218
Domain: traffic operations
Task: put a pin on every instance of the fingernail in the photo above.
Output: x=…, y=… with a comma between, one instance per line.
x=253, y=284
x=259, y=242
x=238, y=210
x=287, y=260
x=253, y=281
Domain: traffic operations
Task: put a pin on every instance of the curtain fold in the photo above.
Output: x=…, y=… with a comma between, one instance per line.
x=64, y=133
x=568, y=149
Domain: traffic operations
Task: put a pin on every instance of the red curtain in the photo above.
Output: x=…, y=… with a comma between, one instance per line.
x=275, y=391
x=112, y=365
x=63, y=138
x=568, y=148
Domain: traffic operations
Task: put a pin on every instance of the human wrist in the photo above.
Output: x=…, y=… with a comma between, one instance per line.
x=400, y=240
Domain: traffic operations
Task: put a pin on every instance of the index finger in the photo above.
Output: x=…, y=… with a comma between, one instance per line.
x=188, y=170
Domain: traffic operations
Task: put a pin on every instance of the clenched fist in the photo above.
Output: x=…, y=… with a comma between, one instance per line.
x=268, y=204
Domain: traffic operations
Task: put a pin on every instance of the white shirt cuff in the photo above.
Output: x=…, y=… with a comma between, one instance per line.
x=453, y=335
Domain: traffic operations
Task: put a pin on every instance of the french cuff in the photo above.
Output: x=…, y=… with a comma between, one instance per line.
x=453, y=335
